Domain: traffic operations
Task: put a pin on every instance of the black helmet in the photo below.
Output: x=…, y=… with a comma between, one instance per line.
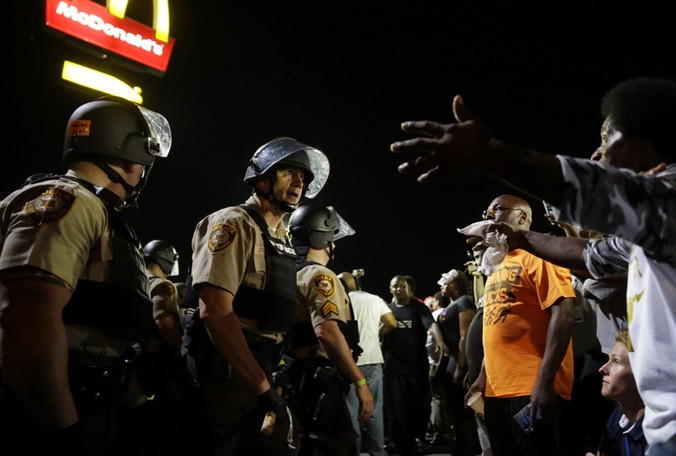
x=162, y=253
x=117, y=128
x=317, y=226
x=288, y=151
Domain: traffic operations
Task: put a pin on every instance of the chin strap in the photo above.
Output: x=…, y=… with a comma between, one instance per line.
x=283, y=206
x=132, y=193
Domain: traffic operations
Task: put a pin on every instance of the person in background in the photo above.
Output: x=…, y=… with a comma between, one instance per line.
x=325, y=343
x=474, y=348
x=406, y=373
x=161, y=261
x=162, y=369
x=73, y=290
x=439, y=428
x=454, y=321
x=623, y=435
x=375, y=319
x=243, y=285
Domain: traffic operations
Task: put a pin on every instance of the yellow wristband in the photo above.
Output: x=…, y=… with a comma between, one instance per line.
x=360, y=382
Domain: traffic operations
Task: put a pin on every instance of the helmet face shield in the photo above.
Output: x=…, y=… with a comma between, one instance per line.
x=344, y=228
x=319, y=165
x=159, y=140
x=317, y=226
x=296, y=154
x=164, y=254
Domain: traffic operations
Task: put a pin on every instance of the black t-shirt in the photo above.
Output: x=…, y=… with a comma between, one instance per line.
x=449, y=321
x=404, y=347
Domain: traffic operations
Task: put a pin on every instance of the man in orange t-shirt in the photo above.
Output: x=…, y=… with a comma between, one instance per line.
x=527, y=325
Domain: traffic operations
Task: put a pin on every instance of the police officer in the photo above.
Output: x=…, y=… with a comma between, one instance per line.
x=161, y=261
x=162, y=368
x=243, y=270
x=325, y=340
x=73, y=289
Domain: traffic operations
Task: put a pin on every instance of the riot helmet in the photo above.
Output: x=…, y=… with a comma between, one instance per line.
x=162, y=253
x=112, y=127
x=289, y=152
x=317, y=227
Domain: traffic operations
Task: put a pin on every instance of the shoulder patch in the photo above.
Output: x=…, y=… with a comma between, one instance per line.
x=329, y=308
x=323, y=284
x=222, y=235
x=51, y=205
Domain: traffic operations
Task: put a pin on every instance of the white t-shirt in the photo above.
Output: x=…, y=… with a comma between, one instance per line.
x=368, y=309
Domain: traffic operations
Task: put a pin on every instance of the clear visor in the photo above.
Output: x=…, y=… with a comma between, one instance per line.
x=319, y=164
x=174, y=269
x=344, y=228
x=159, y=142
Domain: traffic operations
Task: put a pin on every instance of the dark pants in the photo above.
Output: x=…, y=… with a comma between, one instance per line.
x=508, y=439
x=231, y=417
x=408, y=409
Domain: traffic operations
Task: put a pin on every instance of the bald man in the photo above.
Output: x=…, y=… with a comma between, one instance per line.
x=527, y=326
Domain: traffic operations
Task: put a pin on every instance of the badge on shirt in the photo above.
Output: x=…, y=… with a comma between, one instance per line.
x=323, y=284
x=221, y=237
x=329, y=308
x=51, y=205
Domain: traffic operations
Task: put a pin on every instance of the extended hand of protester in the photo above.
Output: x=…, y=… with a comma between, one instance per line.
x=515, y=237
x=444, y=149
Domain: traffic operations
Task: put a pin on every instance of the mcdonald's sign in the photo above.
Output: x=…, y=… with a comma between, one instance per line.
x=107, y=28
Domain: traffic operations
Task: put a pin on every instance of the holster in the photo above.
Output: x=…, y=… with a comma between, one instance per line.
x=319, y=391
x=98, y=381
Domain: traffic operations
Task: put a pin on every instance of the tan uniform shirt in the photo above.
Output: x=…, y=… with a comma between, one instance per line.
x=57, y=226
x=229, y=251
x=321, y=297
x=60, y=227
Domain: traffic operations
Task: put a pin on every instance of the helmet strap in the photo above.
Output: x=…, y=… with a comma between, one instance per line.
x=270, y=197
x=132, y=192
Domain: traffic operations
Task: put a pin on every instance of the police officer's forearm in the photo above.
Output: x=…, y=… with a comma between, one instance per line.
x=229, y=340
x=226, y=334
x=35, y=352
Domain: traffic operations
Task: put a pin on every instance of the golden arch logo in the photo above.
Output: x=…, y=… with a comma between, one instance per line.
x=108, y=28
x=118, y=8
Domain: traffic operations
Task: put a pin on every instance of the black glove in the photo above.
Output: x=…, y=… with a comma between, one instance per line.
x=270, y=401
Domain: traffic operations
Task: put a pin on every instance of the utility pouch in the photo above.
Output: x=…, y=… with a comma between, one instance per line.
x=320, y=391
x=98, y=382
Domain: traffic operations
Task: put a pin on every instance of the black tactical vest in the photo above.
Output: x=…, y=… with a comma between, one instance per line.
x=121, y=307
x=272, y=308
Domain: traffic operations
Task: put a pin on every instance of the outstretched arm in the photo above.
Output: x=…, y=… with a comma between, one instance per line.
x=563, y=251
x=468, y=148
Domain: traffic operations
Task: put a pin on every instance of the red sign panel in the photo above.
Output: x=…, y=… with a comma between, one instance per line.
x=92, y=23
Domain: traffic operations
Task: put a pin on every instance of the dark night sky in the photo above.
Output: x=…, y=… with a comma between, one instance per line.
x=341, y=76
